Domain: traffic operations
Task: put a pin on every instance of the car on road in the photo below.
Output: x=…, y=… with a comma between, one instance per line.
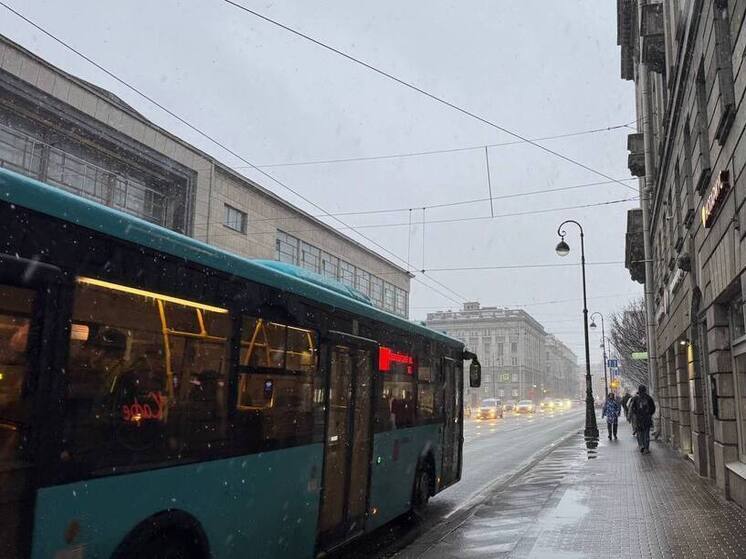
x=547, y=404
x=509, y=405
x=559, y=405
x=490, y=408
x=525, y=406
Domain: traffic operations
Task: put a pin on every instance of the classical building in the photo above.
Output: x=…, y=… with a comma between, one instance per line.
x=511, y=346
x=562, y=376
x=81, y=138
x=686, y=61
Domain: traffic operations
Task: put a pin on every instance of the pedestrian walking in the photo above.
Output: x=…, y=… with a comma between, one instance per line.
x=642, y=409
x=625, y=403
x=611, y=411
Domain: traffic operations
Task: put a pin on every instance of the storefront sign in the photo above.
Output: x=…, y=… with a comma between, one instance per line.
x=715, y=198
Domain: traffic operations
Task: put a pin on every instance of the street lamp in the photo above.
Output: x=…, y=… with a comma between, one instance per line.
x=603, y=345
x=563, y=249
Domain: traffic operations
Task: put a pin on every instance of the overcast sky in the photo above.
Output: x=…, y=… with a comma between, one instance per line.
x=537, y=67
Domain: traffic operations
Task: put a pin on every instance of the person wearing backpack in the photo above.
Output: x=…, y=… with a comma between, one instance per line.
x=642, y=408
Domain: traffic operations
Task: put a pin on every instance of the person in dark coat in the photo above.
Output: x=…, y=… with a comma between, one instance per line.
x=625, y=403
x=642, y=408
x=611, y=411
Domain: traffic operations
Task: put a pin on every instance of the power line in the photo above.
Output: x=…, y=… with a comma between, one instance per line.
x=434, y=151
x=537, y=303
x=518, y=266
x=451, y=204
x=206, y=136
x=423, y=92
x=476, y=218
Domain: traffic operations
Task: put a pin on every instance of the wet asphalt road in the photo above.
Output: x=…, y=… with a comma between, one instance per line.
x=494, y=450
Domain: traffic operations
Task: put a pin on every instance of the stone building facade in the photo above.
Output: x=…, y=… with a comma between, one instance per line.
x=517, y=364
x=77, y=136
x=692, y=129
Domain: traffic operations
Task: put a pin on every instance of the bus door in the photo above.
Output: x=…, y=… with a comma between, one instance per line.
x=348, y=438
x=26, y=339
x=452, y=432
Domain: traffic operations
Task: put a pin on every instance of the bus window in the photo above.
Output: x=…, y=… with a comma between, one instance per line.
x=279, y=365
x=139, y=390
x=15, y=309
x=429, y=391
x=395, y=405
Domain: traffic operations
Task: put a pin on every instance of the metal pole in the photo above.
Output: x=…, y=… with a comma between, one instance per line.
x=603, y=341
x=591, y=428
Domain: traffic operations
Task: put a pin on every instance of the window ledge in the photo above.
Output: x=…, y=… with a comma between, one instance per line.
x=738, y=468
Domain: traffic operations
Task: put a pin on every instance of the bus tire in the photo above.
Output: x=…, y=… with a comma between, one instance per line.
x=422, y=490
x=167, y=535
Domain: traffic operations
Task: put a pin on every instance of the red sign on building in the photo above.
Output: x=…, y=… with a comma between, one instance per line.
x=715, y=198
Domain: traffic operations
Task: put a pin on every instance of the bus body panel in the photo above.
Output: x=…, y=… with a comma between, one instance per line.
x=395, y=458
x=262, y=505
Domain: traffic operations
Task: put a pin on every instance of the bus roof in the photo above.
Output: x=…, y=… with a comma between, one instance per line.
x=34, y=195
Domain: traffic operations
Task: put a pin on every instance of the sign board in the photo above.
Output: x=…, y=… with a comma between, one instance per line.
x=505, y=377
x=715, y=198
x=613, y=363
x=640, y=356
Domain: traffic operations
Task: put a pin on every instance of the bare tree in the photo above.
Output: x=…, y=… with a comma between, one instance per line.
x=629, y=335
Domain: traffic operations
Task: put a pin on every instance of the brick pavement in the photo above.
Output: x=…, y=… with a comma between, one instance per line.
x=611, y=502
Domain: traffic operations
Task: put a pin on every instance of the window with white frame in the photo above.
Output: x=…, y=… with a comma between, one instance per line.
x=362, y=281
x=235, y=219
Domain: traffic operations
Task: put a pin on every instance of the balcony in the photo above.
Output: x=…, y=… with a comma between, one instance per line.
x=636, y=158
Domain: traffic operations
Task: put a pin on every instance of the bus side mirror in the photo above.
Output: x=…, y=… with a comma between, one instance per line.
x=475, y=374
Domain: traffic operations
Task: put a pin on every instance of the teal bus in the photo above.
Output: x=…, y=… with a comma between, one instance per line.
x=160, y=397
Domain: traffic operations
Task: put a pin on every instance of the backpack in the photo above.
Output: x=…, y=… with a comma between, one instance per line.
x=643, y=406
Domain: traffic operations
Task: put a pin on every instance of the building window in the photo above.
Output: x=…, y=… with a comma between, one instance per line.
x=286, y=248
x=500, y=349
x=376, y=291
x=515, y=377
x=329, y=266
x=388, y=297
x=347, y=273
x=400, y=302
x=310, y=257
x=234, y=219
x=513, y=347
x=362, y=281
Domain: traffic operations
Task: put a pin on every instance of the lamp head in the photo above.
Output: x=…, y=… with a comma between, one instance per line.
x=593, y=323
x=563, y=249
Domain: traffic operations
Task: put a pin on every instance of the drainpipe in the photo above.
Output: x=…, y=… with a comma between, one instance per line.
x=647, y=188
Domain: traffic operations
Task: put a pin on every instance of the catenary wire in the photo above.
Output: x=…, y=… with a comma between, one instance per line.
x=423, y=92
x=454, y=203
x=477, y=218
x=213, y=140
x=436, y=151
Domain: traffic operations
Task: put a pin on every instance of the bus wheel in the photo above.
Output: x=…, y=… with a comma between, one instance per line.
x=422, y=484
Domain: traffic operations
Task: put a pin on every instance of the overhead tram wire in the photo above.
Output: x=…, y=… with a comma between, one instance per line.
x=217, y=143
x=424, y=92
x=436, y=151
x=478, y=218
x=454, y=203
x=513, y=267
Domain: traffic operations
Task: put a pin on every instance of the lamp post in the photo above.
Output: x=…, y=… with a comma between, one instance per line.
x=563, y=249
x=603, y=345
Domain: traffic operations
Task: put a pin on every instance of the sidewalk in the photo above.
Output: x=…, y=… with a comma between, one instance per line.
x=611, y=502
